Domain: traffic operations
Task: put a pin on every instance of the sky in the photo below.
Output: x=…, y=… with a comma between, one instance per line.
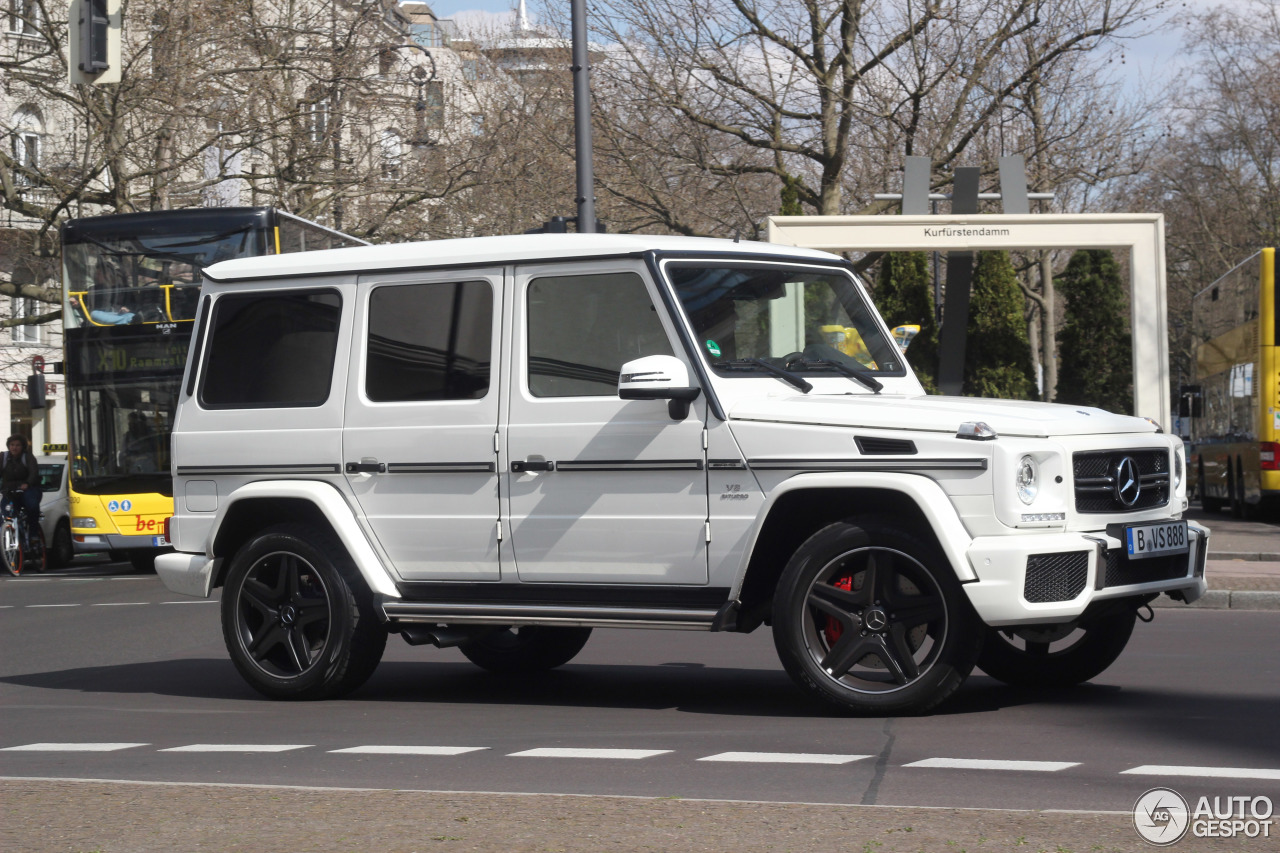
x=1153, y=60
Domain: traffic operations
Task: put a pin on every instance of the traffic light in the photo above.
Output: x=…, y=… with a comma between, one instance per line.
x=95, y=42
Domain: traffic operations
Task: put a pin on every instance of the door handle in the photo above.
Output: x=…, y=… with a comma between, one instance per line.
x=520, y=467
x=366, y=468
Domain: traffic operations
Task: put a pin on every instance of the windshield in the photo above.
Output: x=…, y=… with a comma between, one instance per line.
x=50, y=476
x=113, y=281
x=122, y=384
x=802, y=320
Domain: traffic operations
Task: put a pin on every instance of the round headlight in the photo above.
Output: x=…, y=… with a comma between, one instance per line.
x=1028, y=474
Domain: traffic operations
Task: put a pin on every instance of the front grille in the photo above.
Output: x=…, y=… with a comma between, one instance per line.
x=1055, y=577
x=1096, y=483
x=1121, y=571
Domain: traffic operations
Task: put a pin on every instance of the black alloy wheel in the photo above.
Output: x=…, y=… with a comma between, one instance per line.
x=1057, y=655
x=298, y=622
x=872, y=618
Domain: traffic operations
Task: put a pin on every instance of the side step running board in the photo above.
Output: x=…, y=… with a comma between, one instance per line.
x=548, y=614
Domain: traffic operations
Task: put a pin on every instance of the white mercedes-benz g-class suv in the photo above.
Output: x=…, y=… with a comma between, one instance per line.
x=501, y=443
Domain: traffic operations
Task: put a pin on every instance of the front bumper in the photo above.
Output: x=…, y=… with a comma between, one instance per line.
x=94, y=543
x=1048, y=578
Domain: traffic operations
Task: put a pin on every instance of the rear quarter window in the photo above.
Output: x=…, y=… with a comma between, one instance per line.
x=271, y=350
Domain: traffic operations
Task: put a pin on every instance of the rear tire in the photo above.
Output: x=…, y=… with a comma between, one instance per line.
x=531, y=648
x=871, y=618
x=1208, y=504
x=1027, y=658
x=297, y=618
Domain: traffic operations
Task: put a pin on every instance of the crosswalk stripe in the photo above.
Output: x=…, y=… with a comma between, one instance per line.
x=237, y=747
x=1212, y=772
x=785, y=757
x=993, y=764
x=408, y=750
x=71, y=747
x=556, y=752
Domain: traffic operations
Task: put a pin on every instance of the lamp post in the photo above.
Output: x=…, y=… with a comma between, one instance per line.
x=582, y=120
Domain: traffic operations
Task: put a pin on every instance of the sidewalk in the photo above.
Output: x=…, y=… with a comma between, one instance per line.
x=1243, y=569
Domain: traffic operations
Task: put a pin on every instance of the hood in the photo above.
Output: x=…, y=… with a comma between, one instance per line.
x=938, y=414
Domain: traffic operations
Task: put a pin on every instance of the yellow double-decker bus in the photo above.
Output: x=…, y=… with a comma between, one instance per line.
x=1234, y=407
x=131, y=283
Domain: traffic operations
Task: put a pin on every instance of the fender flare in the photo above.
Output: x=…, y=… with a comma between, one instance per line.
x=333, y=506
x=924, y=492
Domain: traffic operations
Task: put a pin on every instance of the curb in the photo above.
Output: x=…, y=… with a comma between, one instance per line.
x=1227, y=599
x=1248, y=556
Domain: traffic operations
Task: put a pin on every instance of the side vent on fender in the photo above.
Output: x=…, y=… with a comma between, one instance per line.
x=872, y=446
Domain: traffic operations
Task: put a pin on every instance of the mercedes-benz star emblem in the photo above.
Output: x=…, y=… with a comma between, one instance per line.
x=1128, y=486
x=875, y=620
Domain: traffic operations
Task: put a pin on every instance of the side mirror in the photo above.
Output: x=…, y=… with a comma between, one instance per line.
x=659, y=377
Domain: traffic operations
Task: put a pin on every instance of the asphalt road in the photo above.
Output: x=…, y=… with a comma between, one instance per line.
x=128, y=681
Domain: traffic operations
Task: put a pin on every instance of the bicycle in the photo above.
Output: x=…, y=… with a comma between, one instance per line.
x=21, y=541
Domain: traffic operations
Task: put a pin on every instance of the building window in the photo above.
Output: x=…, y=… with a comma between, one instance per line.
x=471, y=68
x=28, y=135
x=391, y=149
x=25, y=17
x=315, y=111
x=23, y=308
x=433, y=98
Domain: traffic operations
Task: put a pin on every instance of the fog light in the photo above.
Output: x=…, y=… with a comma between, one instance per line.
x=1030, y=517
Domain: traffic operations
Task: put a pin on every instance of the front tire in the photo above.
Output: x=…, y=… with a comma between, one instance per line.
x=11, y=547
x=871, y=618
x=1056, y=656
x=61, y=550
x=297, y=618
x=531, y=648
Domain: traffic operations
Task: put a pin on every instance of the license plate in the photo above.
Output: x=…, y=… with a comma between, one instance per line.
x=1156, y=540
x=159, y=541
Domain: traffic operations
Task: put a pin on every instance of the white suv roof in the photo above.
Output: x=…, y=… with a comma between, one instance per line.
x=486, y=250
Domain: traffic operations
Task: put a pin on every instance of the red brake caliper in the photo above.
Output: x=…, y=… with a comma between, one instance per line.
x=834, y=629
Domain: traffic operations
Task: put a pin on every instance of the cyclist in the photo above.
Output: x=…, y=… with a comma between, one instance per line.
x=18, y=473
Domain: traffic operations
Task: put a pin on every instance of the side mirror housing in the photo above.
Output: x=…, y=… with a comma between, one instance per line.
x=659, y=377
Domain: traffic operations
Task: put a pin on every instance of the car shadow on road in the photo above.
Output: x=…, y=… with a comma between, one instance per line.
x=1241, y=724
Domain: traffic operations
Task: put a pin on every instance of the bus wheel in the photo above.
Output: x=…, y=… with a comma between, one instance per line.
x=297, y=618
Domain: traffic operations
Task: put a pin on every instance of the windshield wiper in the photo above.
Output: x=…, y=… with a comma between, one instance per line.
x=857, y=375
x=785, y=375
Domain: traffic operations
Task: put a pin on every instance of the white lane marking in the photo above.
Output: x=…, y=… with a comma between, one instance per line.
x=33, y=606
x=71, y=747
x=199, y=601
x=556, y=752
x=237, y=747
x=120, y=604
x=408, y=750
x=993, y=764
x=1213, y=772
x=786, y=757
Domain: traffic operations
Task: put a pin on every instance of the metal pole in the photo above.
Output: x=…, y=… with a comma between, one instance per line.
x=582, y=120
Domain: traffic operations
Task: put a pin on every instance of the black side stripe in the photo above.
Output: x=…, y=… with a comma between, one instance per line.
x=441, y=467
x=883, y=464
x=630, y=465
x=215, y=470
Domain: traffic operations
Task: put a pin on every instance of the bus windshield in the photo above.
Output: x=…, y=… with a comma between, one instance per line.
x=131, y=286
